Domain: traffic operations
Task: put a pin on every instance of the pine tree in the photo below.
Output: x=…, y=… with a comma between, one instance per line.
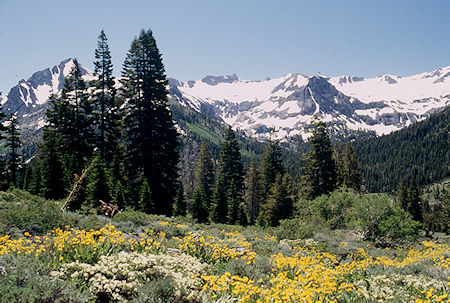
x=252, y=193
x=3, y=175
x=278, y=205
x=236, y=212
x=180, y=207
x=414, y=203
x=199, y=208
x=271, y=165
x=150, y=135
x=348, y=171
x=203, y=184
x=13, y=145
x=320, y=171
x=97, y=182
x=230, y=181
x=117, y=193
x=104, y=102
x=402, y=195
x=77, y=132
x=52, y=183
x=203, y=173
x=146, y=202
x=69, y=130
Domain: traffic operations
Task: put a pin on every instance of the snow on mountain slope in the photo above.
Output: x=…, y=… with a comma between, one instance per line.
x=382, y=104
x=284, y=105
x=28, y=95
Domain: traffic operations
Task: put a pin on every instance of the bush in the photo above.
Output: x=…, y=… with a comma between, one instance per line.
x=296, y=228
x=333, y=208
x=20, y=211
x=379, y=219
x=119, y=277
x=24, y=279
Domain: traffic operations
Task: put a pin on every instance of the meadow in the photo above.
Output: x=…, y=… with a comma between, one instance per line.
x=49, y=256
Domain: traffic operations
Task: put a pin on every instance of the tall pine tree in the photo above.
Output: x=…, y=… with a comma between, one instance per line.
x=278, y=205
x=252, y=193
x=414, y=203
x=271, y=166
x=3, y=175
x=48, y=179
x=13, y=145
x=150, y=135
x=69, y=126
x=229, y=189
x=203, y=184
x=320, y=171
x=348, y=171
x=104, y=102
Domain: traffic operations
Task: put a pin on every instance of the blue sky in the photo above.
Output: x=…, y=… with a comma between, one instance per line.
x=254, y=39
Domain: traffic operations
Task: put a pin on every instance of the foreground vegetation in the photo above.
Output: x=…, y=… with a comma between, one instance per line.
x=49, y=256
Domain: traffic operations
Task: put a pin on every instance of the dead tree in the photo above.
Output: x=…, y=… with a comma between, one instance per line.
x=77, y=187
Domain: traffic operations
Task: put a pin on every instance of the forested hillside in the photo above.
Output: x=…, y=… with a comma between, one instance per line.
x=421, y=150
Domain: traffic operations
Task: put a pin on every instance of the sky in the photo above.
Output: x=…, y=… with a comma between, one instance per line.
x=254, y=39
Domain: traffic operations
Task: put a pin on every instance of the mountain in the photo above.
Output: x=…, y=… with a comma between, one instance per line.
x=382, y=104
x=280, y=107
x=28, y=100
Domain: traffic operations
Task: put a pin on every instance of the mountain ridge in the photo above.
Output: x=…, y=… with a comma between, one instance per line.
x=280, y=107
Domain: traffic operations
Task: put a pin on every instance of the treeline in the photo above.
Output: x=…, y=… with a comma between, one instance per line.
x=420, y=151
x=265, y=193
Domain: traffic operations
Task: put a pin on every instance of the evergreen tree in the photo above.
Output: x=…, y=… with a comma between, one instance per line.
x=279, y=204
x=146, y=202
x=97, y=182
x=35, y=183
x=252, y=193
x=414, y=203
x=203, y=173
x=402, y=195
x=348, y=171
x=52, y=184
x=69, y=130
x=203, y=184
x=150, y=135
x=77, y=132
x=229, y=190
x=3, y=175
x=118, y=194
x=271, y=165
x=13, y=145
x=320, y=171
x=104, y=103
x=199, y=208
x=236, y=212
x=179, y=207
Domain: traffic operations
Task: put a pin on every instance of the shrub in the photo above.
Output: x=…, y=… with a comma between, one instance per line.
x=119, y=277
x=20, y=211
x=333, y=208
x=296, y=228
x=379, y=219
x=24, y=279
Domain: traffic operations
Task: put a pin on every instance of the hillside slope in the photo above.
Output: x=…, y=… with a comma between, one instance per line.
x=421, y=150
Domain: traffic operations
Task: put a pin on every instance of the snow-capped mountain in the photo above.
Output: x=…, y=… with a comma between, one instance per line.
x=286, y=105
x=30, y=94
